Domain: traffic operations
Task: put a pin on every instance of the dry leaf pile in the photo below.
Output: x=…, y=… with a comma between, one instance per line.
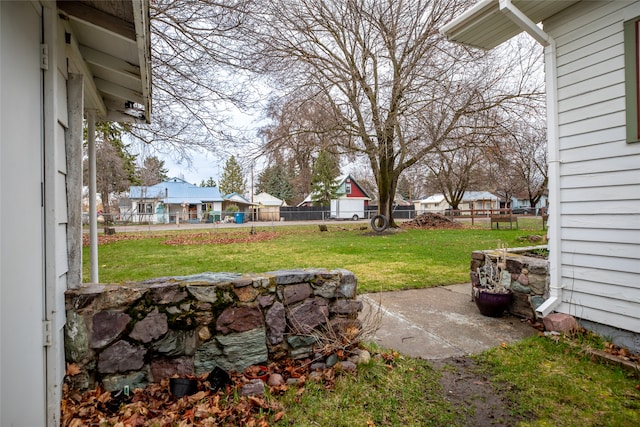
x=156, y=406
x=429, y=221
x=219, y=239
x=178, y=239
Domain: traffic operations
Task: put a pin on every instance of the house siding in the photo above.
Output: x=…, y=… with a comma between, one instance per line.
x=599, y=170
x=22, y=359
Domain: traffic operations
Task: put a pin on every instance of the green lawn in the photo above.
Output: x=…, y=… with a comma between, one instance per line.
x=390, y=261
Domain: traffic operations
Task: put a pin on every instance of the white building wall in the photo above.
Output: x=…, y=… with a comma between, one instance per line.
x=22, y=355
x=599, y=170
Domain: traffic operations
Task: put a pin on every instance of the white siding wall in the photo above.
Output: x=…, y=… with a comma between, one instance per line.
x=22, y=355
x=600, y=172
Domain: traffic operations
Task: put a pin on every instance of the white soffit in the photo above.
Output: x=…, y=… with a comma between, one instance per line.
x=108, y=41
x=485, y=26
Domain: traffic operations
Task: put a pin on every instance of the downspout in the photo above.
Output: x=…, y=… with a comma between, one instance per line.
x=553, y=147
x=93, y=214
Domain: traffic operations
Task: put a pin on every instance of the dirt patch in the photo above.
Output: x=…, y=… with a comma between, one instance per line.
x=430, y=221
x=471, y=391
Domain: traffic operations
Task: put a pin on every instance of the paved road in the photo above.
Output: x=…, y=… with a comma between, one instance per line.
x=439, y=322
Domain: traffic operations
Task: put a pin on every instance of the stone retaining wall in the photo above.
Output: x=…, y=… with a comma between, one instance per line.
x=137, y=333
x=529, y=277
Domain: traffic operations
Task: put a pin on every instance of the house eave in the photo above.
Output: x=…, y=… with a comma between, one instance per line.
x=108, y=42
x=485, y=26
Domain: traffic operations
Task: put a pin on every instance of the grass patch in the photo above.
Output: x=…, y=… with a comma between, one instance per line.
x=561, y=386
x=389, y=261
x=400, y=392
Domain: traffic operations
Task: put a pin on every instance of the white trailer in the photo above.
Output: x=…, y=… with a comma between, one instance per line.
x=347, y=208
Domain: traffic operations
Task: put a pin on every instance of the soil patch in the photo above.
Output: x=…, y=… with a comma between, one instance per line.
x=471, y=391
x=430, y=221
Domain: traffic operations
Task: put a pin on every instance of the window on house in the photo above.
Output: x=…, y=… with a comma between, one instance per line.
x=347, y=187
x=145, y=208
x=632, y=76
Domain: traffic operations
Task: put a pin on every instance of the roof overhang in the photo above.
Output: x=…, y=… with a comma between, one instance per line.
x=486, y=25
x=108, y=41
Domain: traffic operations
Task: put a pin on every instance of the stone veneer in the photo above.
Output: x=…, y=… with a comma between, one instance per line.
x=529, y=277
x=136, y=333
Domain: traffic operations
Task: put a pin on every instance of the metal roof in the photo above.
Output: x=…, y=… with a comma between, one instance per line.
x=108, y=41
x=486, y=26
x=176, y=191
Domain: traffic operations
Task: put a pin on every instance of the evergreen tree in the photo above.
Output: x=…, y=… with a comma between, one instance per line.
x=208, y=183
x=275, y=180
x=152, y=171
x=323, y=178
x=232, y=180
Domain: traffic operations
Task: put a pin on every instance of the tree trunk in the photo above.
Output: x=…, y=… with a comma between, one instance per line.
x=387, y=182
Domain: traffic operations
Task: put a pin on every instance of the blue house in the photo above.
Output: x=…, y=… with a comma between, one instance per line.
x=173, y=200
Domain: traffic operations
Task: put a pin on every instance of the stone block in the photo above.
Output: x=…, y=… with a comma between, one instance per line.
x=76, y=338
x=246, y=293
x=253, y=388
x=514, y=265
x=309, y=315
x=107, y=327
x=325, y=289
x=560, y=322
x=153, y=326
x=176, y=343
x=243, y=349
x=239, y=319
x=276, y=322
x=206, y=357
x=298, y=341
x=288, y=277
x=537, y=283
x=77, y=299
x=266, y=300
x=292, y=294
x=520, y=305
x=346, y=290
x=116, y=296
x=538, y=266
x=121, y=357
x=204, y=293
x=167, y=367
x=166, y=293
x=345, y=307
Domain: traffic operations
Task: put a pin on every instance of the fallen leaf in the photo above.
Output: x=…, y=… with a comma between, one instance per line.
x=73, y=369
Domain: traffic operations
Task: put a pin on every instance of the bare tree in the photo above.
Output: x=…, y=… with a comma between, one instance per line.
x=115, y=166
x=299, y=130
x=197, y=86
x=393, y=88
x=455, y=171
x=529, y=160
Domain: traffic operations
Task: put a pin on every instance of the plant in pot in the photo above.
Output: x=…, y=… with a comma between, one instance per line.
x=492, y=287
